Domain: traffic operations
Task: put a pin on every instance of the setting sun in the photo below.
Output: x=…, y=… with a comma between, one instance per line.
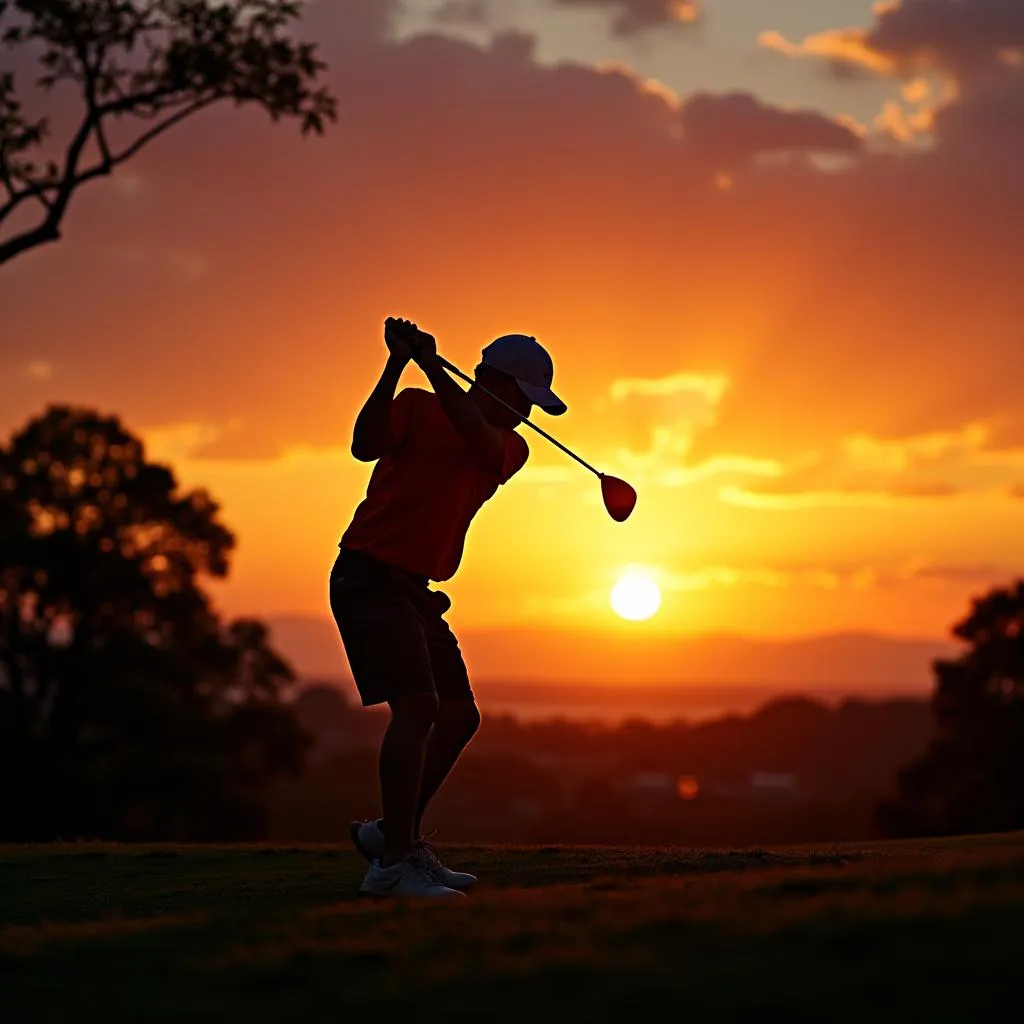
x=635, y=596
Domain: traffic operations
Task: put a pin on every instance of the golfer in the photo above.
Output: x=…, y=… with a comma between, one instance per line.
x=440, y=455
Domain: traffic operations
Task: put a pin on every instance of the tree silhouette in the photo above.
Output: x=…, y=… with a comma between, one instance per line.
x=144, y=64
x=127, y=709
x=971, y=778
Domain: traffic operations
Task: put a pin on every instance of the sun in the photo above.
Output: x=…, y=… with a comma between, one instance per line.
x=635, y=596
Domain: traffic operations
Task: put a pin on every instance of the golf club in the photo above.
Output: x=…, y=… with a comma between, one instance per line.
x=619, y=497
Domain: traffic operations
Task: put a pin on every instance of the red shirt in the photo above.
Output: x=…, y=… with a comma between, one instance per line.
x=424, y=493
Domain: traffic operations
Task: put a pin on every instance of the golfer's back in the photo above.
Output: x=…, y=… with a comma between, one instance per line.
x=425, y=491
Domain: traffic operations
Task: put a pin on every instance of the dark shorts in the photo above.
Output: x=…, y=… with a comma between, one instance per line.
x=393, y=628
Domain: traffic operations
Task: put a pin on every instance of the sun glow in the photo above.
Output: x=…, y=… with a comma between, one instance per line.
x=635, y=596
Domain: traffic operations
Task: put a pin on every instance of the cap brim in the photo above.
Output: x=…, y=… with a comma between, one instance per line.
x=545, y=398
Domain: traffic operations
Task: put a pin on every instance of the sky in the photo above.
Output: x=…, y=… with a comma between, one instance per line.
x=772, y=247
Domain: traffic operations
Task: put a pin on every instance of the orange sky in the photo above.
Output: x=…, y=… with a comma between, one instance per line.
x=794, y=329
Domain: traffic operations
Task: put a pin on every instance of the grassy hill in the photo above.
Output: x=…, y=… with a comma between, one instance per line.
x=888, y=931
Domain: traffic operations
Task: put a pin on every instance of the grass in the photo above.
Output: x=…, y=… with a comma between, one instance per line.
x=885, y=931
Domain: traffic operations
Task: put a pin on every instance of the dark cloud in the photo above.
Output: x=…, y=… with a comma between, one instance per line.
x=986, y=117
x=634, y=16
x=968, y=39
x=961, y=36
x=732, y=128
x=981, y=573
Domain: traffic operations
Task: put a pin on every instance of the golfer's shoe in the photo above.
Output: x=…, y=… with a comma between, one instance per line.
x=414, y=876
x=461, y=880
x=368, y=839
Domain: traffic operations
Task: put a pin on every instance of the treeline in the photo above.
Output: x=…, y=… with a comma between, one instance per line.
x=797, y=770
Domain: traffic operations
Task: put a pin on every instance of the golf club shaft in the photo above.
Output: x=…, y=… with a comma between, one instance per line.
x=543, y=433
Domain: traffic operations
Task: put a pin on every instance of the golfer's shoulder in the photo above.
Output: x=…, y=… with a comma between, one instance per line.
x=516, y=448
x=414, y=396
x=411, y=402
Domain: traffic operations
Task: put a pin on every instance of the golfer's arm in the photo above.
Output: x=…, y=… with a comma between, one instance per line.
x=465, y=415
x=371, y=436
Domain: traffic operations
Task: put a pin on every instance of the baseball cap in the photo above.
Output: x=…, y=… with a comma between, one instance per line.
x=523, y=357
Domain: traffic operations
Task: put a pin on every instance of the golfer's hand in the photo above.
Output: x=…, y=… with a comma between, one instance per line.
x=424, y=346
x=397, y=336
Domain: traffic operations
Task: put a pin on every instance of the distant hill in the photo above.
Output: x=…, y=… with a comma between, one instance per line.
x=854, y=662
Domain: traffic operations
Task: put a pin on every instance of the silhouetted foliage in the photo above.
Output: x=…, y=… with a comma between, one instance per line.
x=127, y=708
x=971, y=779
x=147, y=63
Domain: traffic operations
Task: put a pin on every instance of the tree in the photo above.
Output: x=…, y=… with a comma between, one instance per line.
x=971, y=778
x=127, y=708
x=138, y=64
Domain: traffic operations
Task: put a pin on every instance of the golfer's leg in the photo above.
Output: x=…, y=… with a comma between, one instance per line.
x=401, y=770
x=457, y=718
x=455, y=725
x=389, y=657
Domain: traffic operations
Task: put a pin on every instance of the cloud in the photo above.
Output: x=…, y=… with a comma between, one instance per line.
x=708, y=577
x=973, y=574
x=716, y=466
x=644, y=84
x=659, y=416
x=732, y=128
x=463, y=12
x=975, y=46
x=922, y=572
x=484, y=191
x=965, y=38
x=904, y=126
x=634, y=16
x=988, y=119
x=709, y=388
x=866, y=471
x=745, y=497
x=847, y=50
x=960, y=36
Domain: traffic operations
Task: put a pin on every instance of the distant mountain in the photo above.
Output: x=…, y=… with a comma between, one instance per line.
x=857, y=662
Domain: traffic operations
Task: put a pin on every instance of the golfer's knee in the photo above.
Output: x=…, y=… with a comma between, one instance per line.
x=460, y=718
x=415, y=712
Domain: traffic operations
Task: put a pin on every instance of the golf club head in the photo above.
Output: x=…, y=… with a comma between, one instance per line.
x=619, y=497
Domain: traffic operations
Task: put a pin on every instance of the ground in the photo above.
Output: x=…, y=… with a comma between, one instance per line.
x=907, y=931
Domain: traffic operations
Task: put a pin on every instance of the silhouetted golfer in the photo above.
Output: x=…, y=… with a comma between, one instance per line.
x=440, y=455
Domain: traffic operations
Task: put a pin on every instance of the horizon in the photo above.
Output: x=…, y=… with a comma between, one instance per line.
x=730, y=674
x=610, y=705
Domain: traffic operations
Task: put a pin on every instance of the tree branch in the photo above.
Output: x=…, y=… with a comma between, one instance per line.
x=45, y=232
x=159, y=129
x=195, y=54
x=49, y=229
x=17, y=198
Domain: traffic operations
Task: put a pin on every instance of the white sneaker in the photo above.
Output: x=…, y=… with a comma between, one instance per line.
x=461, y=880
x=413, y=876
x=368, y=839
